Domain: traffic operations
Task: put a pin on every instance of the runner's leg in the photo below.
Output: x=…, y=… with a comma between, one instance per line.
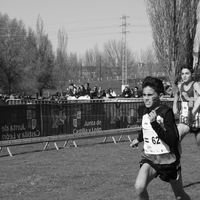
x=183, y=130
x=145, y=176
x=177, y=187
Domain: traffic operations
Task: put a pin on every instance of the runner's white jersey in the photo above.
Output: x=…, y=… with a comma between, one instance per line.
x=152, y=143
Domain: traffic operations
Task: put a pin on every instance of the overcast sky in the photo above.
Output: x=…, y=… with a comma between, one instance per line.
x=87, y=22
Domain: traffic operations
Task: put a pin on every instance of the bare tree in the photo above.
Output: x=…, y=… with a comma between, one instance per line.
x=174, y=28
x=12, y=49
x=42, y=68
x=61, y=70
x=74, y=66
x=28, y=82
x=113, y=58
x=92, y=61
x=149, y=61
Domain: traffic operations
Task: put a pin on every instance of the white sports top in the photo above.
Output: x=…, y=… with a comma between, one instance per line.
x=152, y=143
x=185, y=109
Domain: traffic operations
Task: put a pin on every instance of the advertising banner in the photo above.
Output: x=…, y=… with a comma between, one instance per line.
x=20, y=122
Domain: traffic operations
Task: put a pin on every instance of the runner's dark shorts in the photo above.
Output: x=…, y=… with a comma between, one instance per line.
x=166, y=172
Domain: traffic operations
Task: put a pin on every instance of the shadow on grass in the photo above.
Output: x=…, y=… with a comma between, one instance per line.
x=26, y=152
x=191, y=184
x=69, y=145
x=110, y=141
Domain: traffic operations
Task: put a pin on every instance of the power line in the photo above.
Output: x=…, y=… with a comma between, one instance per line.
x=91, y=28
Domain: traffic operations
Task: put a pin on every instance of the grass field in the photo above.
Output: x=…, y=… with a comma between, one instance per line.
x=93, y=171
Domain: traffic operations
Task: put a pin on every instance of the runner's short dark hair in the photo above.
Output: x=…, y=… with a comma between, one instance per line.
x=154, y=83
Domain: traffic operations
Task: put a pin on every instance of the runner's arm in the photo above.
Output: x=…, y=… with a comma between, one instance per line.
x=168, y=133
x=136, y=141
x=175, y=101
x=197, y=88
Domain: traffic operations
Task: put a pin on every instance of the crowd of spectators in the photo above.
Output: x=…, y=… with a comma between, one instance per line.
x=5, y=97
x=99, y=92
x=85, y=91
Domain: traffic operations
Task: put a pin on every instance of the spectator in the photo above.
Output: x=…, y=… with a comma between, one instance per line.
x=104, y=93
x=100, y=92
x=71, y=90
x=94, y=92
x=168, y=91
x=2, y=101
x=11, y=96
x=80, y=91
x=58, y=97
x=83, y=91
x=126, y=92
x=87, y=89
x=136, y=92
x=111, y=93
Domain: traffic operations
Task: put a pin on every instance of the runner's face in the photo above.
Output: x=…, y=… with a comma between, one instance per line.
x=186, y=75
x=150, y=97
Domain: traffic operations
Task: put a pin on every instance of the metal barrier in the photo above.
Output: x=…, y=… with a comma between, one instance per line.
x=76, y=100
x=24, y=122
x=47, y=101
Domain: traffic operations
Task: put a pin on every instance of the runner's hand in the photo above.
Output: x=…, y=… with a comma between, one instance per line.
x=134, y=143
x=152, y=116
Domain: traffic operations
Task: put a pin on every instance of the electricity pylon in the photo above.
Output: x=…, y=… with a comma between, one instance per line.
x=124, y=52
